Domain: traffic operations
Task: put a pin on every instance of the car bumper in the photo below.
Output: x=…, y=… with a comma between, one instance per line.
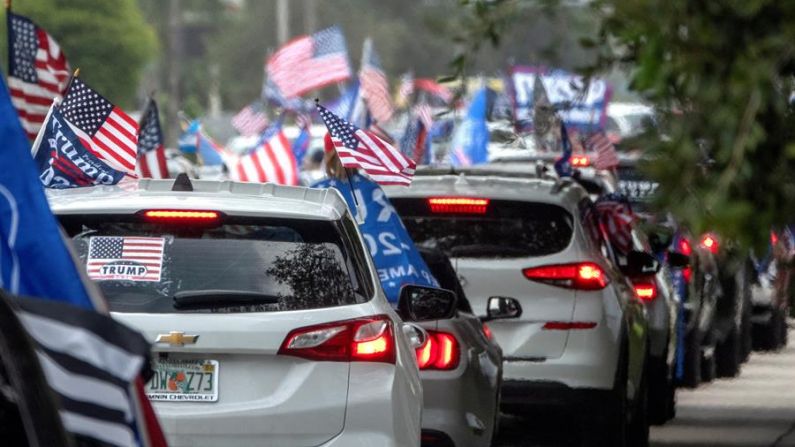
x=525, y=395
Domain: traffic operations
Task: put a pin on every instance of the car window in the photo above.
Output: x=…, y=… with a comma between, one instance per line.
x=504, y=229
x=278, y=264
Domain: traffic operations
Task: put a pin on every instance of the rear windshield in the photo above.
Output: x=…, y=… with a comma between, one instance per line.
x=239, y=265
x=507, y=229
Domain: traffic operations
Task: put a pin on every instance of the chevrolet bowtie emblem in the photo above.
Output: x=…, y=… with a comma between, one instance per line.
x=176, y=338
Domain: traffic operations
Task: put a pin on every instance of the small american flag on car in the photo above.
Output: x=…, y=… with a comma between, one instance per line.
x=309, y=62
x=37, y=71
x=606, y=155
x=125, y=258
x=362, y=149
x=103, y=128
x=151, y=152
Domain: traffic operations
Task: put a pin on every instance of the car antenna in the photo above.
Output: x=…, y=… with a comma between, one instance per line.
x=182, y=183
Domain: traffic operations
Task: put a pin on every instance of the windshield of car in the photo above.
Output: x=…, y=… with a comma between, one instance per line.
x=506, y=229
x=239, y=265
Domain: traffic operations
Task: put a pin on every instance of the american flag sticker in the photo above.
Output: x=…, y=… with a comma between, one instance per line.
x=125, y=258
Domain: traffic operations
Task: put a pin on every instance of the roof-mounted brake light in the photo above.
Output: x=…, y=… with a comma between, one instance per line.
x=182, y=216
x=458, y=205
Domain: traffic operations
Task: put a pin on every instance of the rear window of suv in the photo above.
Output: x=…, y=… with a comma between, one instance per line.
x=506, y=229
x=237, y=265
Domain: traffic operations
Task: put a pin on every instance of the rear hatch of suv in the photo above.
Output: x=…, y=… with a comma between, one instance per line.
x=221, y=295
x=493, y=244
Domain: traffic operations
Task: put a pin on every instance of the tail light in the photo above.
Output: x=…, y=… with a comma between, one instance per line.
x=487, y=331
x=710, y=242
x=200, y=217
x=578, y=276
x=458, y=205
x=645, y=290
x=360, y=340
x=580, y=161
x=440, y=352
x=773, y=238
x=684, y=247
x=687, y=273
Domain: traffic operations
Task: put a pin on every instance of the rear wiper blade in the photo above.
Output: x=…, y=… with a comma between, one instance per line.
x=188, y=299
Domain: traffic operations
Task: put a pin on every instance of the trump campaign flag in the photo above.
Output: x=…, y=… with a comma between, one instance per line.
x=396, y=259
x=363, y=149
x=563, y=164
x=35, y=261
x=309, y=62
x=37, y=71
x=64, y=162
x=103, y=128
x=151, y=152
x=471, y=137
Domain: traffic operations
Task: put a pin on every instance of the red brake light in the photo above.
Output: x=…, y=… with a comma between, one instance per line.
x=458, y=205
x=580, y=161
x=360, y=340
x=182, y=216
x=687, y=273
x=645, y=290
x=710, y=242
x=487, y=332
x=773, y=238
x=440, y=352
x=684, y=247
x=579, y=276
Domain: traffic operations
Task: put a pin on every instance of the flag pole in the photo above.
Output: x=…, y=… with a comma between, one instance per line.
x=35, y=148
x=8, y=5
x=75, y=74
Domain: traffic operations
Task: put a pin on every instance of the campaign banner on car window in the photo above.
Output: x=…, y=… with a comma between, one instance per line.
x=583, y=109
x=396, y=258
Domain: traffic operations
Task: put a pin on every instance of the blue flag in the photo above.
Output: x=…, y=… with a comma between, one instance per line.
x=563, y=164
x=301, y=145
x=396, y=258
x=188, y=140
x=63, y=161
x=471, y=138
x=34, y=260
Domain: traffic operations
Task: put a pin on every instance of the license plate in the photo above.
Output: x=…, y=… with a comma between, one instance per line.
x=184, y=380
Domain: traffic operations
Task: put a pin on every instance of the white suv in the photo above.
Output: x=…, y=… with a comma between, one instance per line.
x=269, y=325
x=580, y=340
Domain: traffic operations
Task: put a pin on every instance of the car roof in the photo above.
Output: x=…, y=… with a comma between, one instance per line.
x=236, y=198
x=496, y=181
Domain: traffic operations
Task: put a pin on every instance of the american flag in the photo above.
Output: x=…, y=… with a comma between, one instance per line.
x=364, y=150
x=38, y=71
x=251, y=120
x=606, y=155
x=104, y=129
x=405, y=89
x=615, y=218
x=435, y=89
x=125, y=258
x=272, y=162
x=375, y=85
x=151, y=152
x=414, y=143
x=425, y=114
x=309, y=62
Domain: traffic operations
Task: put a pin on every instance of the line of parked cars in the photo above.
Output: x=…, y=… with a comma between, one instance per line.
x=270, y=326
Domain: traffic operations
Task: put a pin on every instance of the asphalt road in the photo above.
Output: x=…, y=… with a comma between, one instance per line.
x=755, y=409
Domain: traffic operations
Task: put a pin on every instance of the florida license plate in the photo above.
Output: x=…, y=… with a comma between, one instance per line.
x=184, y=380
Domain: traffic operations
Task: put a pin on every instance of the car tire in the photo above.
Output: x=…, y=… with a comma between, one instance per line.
x=784, y=336
x=769, y=336
x=661, y=392
x=746, y=339
x=638, y=426
x=728, y=354
x=708, y=370
x=607, y=425
x=691, y=376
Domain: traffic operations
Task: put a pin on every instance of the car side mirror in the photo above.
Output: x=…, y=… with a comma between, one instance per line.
x=678, y=260
x=420, y=303
x=502, y=307
x=640, y=263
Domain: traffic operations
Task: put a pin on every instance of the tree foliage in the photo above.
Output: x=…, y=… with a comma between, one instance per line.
x=108, y=40
x=720, y=73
